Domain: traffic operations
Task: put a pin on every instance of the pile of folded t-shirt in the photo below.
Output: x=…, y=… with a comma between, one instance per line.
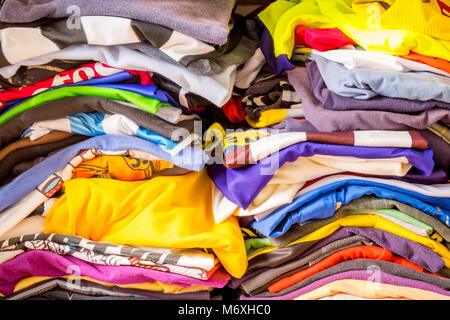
x=221, y=150
x=352, y=200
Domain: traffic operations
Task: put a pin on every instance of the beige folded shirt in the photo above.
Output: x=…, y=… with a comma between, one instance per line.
x=370, y=290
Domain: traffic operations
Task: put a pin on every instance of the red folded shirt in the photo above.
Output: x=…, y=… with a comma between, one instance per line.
x=321, y=39
x=84, y=72
x=356, y=252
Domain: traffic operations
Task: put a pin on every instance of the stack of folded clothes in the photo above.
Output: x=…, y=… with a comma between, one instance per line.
x=103, y=190
x=210, y=150
x=349, y=195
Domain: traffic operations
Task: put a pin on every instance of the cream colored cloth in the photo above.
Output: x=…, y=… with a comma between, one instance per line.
x=370, y=290
x=31, y=225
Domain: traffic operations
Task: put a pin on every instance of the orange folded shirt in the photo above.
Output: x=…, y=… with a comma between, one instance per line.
x=120, y=167
x=434, y=62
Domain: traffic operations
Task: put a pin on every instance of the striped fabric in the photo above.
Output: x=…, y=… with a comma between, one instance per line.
x=96, y=123
x=192, y=263
x=277, y=94
x=441, y=130
x=28, y=75
x=22, y=43
x=243, y=148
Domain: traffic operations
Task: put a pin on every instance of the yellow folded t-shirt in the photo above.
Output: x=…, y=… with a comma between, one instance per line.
x=170, y=212
x=431, y=18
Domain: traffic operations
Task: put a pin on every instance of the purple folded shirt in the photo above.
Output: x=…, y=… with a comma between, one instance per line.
x=357, y=275
x=48, y=264
x=233, y=183
x=333, y=101
x=441, y=151
x=326, y=120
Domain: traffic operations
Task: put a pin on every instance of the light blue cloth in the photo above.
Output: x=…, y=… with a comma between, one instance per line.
x=94, y=123
x=321, y=203
x=192, y=158
x=366, y=84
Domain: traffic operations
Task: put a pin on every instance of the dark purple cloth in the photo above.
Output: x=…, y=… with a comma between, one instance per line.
x=279, y=63
x=333, y=101
x=235, y=283
x=234, y=183
x=326, y=120
x=441, y=149
x=408, y=249
x=294, y=125
x=383, y=277
x=245, y=221
x=48, y=264
x=436, y=177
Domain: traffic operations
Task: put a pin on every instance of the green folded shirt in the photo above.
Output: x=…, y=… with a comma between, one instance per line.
x=146, y=103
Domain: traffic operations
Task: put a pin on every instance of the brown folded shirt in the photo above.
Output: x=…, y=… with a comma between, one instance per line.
x=26, y=150
x=23, y=143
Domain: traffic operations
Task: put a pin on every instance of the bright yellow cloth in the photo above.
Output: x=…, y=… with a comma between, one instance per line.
x=418, y=16
x=268, y=117
x=370, y=290
x=155, y=286
x=363, y=24
x=371, y=221
x=170, y=212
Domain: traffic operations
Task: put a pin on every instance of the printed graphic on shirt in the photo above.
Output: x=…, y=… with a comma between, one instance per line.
x=445, y=9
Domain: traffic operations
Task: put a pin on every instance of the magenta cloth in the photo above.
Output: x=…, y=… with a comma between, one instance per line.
x=48, y=264
x=326, y=120
x=321, y=39
x=357, y=275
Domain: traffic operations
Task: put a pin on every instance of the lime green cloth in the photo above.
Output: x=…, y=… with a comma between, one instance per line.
x=398, y=215
x=146, y=103
x=253, y=244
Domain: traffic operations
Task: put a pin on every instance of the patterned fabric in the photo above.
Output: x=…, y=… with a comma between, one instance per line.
x=243, y=40
x=96, y=30
x=207, y=20
x=83, y=72
x=194, y=263
x=96, y=123
x=441, y=130
x=27, y=75
x=185, y=98
x=243, y=148
x=281, y=96
x=50, y=186
x=124, y=168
